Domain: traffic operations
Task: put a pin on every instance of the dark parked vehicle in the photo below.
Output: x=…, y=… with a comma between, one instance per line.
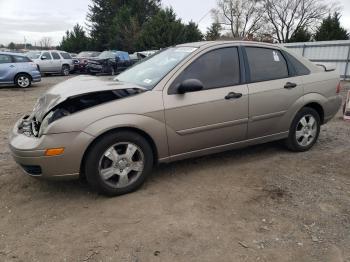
x=109, y=62
x=82, y=60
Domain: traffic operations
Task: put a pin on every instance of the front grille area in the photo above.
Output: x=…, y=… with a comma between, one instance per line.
x=32, y=170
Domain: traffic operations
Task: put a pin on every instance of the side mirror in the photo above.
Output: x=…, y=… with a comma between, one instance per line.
x=43, y=57
x=190, y=85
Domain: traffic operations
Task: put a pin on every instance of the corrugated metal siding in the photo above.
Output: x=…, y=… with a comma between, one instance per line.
x=336, y=52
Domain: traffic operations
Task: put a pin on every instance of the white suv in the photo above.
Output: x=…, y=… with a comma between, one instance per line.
x=52, y=61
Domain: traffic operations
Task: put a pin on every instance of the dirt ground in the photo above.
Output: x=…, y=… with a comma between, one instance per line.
x=261, y=203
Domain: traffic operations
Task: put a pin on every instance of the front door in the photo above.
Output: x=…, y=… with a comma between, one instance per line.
x=46, y=62
x=214, y=116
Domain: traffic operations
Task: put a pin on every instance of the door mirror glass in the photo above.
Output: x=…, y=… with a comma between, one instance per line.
x=190, y=85
x=43, y=57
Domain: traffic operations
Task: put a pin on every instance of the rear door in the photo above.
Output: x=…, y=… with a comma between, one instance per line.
x=56, y=62
x=7, y=69
x=213, y=116
x=273, y=91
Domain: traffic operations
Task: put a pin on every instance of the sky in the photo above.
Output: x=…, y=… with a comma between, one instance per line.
x=34, y=19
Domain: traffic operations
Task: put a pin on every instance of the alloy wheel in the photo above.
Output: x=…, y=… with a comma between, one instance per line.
x=23, y=81
x=121, y=165
x=306, y=130
x=65, y=71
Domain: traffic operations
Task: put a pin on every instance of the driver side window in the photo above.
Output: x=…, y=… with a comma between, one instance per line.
x=47, y=55
x=215, y=69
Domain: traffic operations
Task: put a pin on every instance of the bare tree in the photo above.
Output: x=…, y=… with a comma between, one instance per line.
x=287, y=16
x=241, y=17
x=45, y=42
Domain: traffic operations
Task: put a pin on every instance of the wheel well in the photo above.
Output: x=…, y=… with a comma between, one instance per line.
x=22, y=73
x=131, y=129
x=318, y=108
x=65, y=65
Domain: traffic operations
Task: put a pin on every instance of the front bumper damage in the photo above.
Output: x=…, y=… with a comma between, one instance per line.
x=29, y=151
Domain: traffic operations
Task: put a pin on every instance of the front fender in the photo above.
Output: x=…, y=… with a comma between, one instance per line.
x=153, y=127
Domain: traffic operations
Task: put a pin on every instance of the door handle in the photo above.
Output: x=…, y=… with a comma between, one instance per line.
x=290, y=85
x=233, y=95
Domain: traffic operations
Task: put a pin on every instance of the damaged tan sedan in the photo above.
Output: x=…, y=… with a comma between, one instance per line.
x=185, y=101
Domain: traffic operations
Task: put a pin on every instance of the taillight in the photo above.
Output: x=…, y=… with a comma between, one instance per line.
x=338, y=88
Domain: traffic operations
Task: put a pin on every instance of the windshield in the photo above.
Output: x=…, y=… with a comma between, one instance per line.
x=106, y=55
x=33, y=54
x=149, y=72
x=88, y=54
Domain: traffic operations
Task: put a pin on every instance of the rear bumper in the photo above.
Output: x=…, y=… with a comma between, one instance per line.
x=29, y=153
x=36, y=76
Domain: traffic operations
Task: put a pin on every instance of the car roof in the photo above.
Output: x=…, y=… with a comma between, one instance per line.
x=12, y=53
x=217, y=43
x=48, y=51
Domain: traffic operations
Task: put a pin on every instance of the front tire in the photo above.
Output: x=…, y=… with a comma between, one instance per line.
x=65, y=70
x=118, y=163
x=113, y=71
x=304, y=131
x=23, y=81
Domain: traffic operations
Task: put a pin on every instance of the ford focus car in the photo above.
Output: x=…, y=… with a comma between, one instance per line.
x=186, y=101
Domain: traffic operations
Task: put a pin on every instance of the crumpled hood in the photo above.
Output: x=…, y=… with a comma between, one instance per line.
x=73, y=87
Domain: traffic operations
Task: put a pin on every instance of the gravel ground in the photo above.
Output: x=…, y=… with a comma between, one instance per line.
x=261, y=203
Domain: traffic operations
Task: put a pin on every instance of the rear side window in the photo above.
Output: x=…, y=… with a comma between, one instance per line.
x=4, y=59
x=215, y=69
x=55, y=56
x=66, y=55
x=299, y=67
x=21, y=59
x=266, y=64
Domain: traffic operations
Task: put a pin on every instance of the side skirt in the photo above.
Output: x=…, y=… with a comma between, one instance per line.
x=226, y=147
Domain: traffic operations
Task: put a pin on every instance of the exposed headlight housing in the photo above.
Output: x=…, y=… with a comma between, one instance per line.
x=45, y=123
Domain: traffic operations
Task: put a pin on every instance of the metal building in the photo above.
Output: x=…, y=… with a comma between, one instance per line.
x=336, y=52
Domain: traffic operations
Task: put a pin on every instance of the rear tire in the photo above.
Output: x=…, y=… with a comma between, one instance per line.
x=118, y=163
x=344, y=108
x=304, y=131
x=23, y=81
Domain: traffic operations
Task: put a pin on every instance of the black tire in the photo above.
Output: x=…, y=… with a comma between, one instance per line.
x=96, y=153
x=292, y=141
x=65, y=70
x=344, y=107
x=23, y=80
x=113, y=71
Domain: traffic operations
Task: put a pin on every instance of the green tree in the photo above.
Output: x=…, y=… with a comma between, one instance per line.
x=75, y=41
x=102, y=12
x=192, y=33
x=330, y=29
x=125, y=30
x=300, y=35
x=213, y=32
x=162, y=30
x=165, y=29
x=11, y=46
